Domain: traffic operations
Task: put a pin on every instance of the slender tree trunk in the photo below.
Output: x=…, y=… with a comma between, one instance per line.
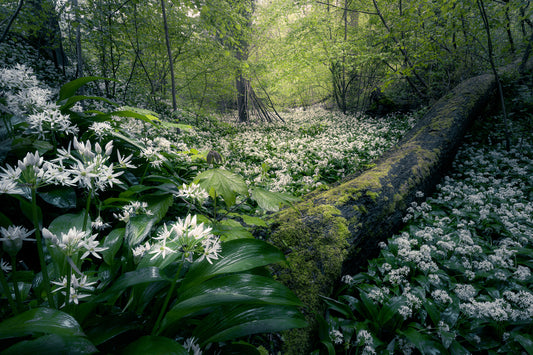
x=79, y=56
x=483, y=13
x=170, y=59
x=11, y=20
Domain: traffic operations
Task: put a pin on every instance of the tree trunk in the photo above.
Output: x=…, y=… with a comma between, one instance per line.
x=170, y=59
x=335, y=232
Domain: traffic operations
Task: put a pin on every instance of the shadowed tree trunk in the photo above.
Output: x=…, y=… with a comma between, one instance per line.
x=335, y=232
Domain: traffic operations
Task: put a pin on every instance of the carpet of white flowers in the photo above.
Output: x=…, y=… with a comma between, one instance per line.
x=313, y=147
x=459, y=277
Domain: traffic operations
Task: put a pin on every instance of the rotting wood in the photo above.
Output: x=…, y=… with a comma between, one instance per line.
x=335, y=232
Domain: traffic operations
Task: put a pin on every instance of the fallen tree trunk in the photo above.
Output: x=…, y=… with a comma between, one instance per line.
x=336, y=231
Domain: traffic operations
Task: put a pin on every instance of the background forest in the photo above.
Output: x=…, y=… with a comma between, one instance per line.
x=204, y=56
x=144, y=143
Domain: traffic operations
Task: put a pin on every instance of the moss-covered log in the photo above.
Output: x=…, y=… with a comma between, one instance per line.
x=337, y=230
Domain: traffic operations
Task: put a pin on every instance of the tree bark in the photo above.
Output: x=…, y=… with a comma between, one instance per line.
x=170, y=59
x=335, y=232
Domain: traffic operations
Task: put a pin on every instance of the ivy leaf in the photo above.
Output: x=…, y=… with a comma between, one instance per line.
x=272, y=201
x=223, y=183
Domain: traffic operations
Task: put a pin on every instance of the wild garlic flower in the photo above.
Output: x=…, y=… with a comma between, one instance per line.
x=99, y=224
x=188, y=237
x=139, y=251
x=90, y=168
x=336, y=336
x=100, y=129
x=193, y=192
x=49, y=122
x=76, y=285
x=4, y=265
x=191, y=344
x=132, y=209
x=12, y=238
x=74, y=242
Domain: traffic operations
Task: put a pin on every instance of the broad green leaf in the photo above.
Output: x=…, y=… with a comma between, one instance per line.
x=247, y=319
x=457, y=349
x=138, y=228
x=110, y=326
x=230, y=290
x=27, y=211
x=340, y=307
x=128, y=279
x=40, y=320
x=155, y=345
x=159, y=205
x=526, y=341
x=250, y=220
x=71, y=101
x=53, y=344
x=70, y=88
x=389, y=310
x=220, y=182
x=229, y=229
x=423, y=342
x=241, y=348
x=63, y=223
x=113, y=242
x=61, y=197
x=272, y=201
x=237, y=255
x=134, y=143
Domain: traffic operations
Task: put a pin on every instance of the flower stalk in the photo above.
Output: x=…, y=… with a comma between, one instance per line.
x=40, y=251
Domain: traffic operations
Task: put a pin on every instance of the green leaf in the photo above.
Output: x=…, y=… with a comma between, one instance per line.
x=220, y=182
x=63, y=223
x=159, y=205
x=109, y=327
x=70, y=88
x=61, y=197
x=71, y=101
x=128, y=279
x=457, y=349
x=155, y=345
x=237, y=256
x=27, y=210
x=229, y=229
x=53, y=344
x=423, y=342
x=340, y=307
x=127, y=140
x=250, y=220
x=113, y=242
x=245, y=320
x=272, y=201
x=40, y=320
x=526, y=341
x=138, y=228
x=230, y=290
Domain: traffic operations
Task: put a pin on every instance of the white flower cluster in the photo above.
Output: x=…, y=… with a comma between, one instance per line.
x=73, y=242
x=26, y=96
x=185, y=236
x=76, y=287
x=317, y=146
x=193, y=192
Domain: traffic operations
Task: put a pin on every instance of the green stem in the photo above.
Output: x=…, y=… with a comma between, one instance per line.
x=155, y=329
x=67, y=291
x=5, y=286
x=44, y=268
x=15, y=283
x=87, y=207
x=144, y=174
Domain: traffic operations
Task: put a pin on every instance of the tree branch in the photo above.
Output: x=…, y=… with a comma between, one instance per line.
x=345, y=9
